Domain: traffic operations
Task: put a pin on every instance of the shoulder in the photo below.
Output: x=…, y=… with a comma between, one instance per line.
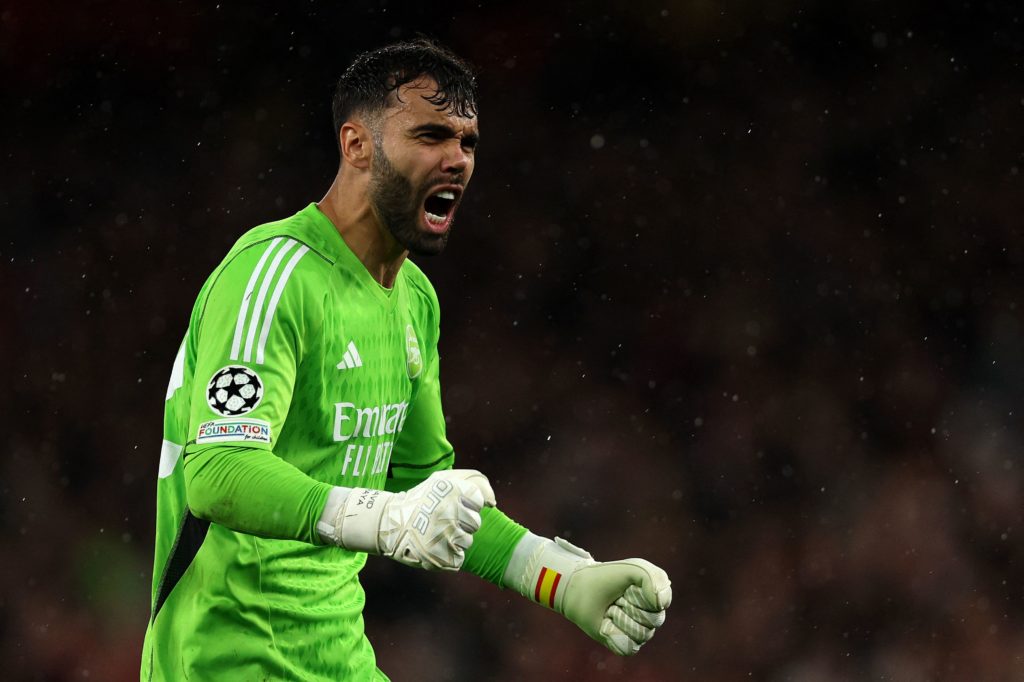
x=292, y=234
x=270, y=269
x=420, y=288
x=278, y=253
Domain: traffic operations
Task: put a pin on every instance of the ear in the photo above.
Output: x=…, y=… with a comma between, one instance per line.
x=356, y=144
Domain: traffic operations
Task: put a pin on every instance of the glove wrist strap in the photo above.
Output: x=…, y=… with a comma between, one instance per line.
x=357, y=521
x=540, y=569
x=326, y=526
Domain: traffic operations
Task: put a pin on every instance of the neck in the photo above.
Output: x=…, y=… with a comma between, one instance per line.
x=347, y=206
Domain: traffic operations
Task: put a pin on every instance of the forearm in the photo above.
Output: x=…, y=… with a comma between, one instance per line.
x=620, y=603
x=253, y=491
x=493, y=546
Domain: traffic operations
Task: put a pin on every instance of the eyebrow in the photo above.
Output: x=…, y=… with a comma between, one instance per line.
x=472, y=139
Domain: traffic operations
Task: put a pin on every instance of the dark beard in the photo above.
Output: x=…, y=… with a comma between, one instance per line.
x=397, y=206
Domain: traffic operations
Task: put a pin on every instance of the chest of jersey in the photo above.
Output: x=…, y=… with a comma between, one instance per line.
x=364, y=377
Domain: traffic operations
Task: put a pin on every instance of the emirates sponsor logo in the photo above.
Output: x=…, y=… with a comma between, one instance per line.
x=366, y=422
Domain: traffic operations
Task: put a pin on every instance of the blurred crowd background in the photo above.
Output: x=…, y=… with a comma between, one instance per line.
x=736, y=288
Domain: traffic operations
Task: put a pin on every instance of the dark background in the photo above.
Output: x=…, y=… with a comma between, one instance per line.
x=736, y=288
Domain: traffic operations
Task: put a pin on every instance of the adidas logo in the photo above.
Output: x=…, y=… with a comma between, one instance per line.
x=351, y=359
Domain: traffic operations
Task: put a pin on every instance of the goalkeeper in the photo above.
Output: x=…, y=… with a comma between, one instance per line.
x=303, y=426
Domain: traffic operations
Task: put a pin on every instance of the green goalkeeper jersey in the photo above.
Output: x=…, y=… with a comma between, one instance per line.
x=293, y=350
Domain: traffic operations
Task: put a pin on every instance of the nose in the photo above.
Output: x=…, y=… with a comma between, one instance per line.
x=455, y=160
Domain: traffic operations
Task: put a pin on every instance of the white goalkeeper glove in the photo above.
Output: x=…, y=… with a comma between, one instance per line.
x=618, y=603
x=429, y=526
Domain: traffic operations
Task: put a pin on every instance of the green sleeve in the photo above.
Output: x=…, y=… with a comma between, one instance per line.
x=259, y=313
x=423, y=447
x=492, y=546
x=262, y=309
x=253, y=491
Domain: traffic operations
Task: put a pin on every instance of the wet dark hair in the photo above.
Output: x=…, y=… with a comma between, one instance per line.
x=373, y=76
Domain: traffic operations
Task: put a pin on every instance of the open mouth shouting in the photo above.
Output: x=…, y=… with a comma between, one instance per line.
x=439, y=208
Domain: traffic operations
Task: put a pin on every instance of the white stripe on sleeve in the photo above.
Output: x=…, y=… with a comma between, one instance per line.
x=169, y=454
x=264, y=288
x=272, y=307
x=243, y=309
x=177, y=371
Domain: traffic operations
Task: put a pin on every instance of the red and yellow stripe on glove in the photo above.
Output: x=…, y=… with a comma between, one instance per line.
x=547, y=586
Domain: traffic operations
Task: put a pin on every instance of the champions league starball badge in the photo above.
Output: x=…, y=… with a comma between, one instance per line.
x=234, y=390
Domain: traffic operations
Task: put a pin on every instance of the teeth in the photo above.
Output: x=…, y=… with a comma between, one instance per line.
x=434, y=218
x=447, y=194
